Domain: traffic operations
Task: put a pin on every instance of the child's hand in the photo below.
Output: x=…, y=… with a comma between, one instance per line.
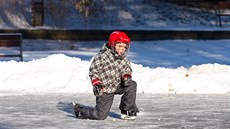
x=126, y=79
x=96, y=82
x=98, y=90
x=127, y=82
x=97, y=87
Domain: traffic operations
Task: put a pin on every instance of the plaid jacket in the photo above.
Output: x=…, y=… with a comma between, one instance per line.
x=109, y=67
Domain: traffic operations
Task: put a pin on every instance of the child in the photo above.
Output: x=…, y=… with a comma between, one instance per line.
x=111, y=74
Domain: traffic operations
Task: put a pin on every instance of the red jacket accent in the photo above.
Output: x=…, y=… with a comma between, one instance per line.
x=126, y=76
x=96, y=82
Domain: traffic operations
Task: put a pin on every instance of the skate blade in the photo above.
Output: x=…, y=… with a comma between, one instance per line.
x=73, y=109
x=125, y=117
x=73, y=103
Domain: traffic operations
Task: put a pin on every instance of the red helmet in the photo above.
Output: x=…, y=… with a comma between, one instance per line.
x=118, y=36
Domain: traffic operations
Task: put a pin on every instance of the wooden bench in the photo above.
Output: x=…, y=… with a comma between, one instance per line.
x=10, y=40
x=222, y=9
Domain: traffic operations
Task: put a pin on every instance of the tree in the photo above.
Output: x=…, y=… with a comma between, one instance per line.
x=37, y=12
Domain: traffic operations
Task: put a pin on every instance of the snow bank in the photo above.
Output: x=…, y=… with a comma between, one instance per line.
x=59, y=73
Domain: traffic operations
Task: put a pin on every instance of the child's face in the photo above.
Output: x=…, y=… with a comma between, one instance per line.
x=120, y=48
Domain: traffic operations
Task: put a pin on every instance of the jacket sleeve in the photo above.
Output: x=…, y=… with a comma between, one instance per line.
x=95, y=68
x=127, y=68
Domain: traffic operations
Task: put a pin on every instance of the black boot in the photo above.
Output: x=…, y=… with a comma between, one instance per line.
x=128, y=115
x=77, y=110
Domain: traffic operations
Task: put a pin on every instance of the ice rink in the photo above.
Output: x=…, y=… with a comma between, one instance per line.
x=53, y=111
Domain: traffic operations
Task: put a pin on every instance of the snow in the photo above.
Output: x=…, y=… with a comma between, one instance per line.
x=170, y=66
x=181, y=83
x=175, y=67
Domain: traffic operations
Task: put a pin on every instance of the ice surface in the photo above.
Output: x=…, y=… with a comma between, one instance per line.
x=53, y=111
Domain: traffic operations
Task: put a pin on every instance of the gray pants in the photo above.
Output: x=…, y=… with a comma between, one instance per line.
x=104, y=103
